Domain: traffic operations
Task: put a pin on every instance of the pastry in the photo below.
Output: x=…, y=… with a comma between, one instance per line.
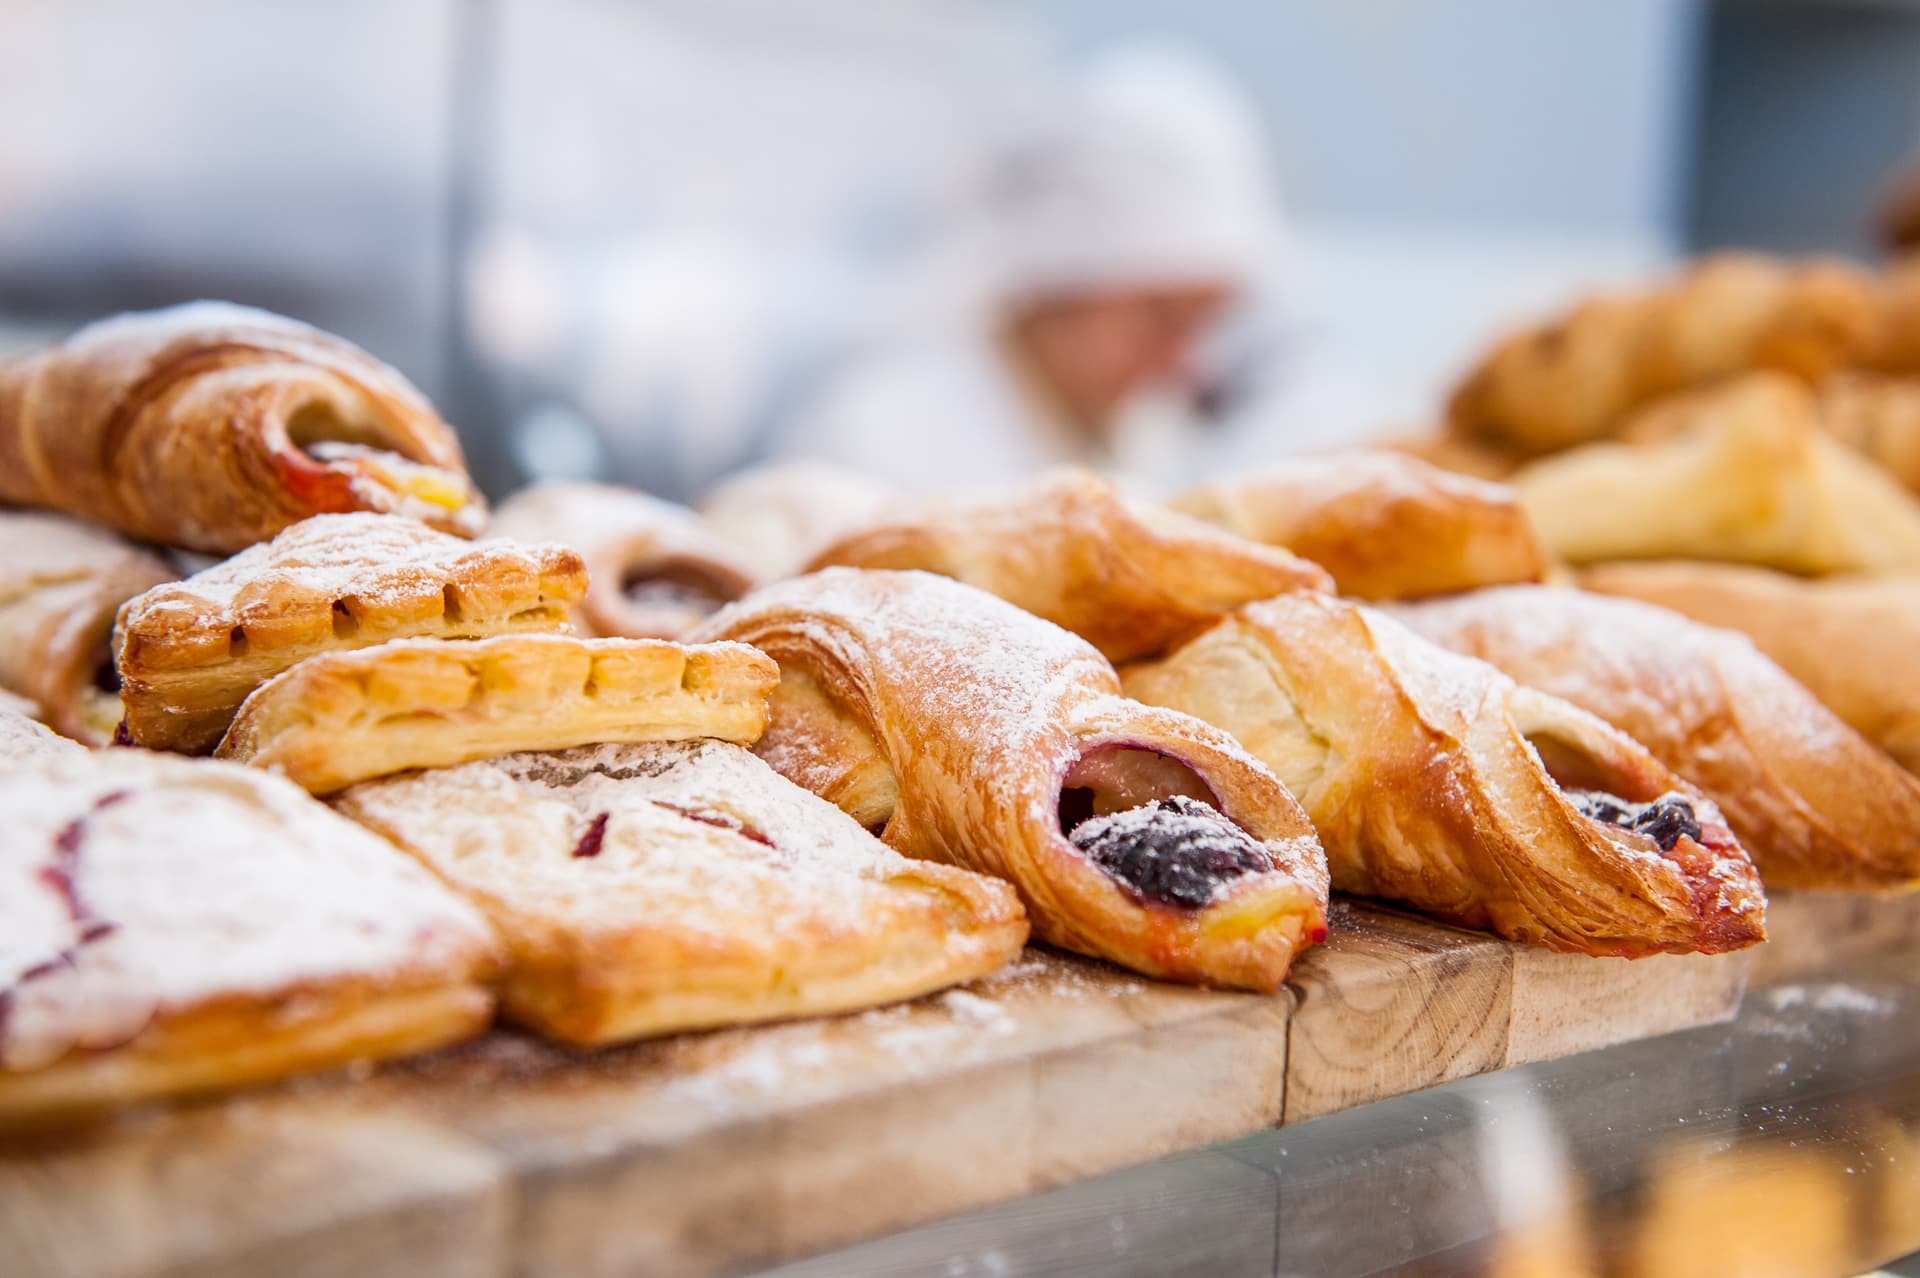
x=1129, y=578
x=22, y=736
x=1741, y=473
x=213, y=427
x=189, y=653
x=1452, y=451
x=776, y=516
x=647, y=888
x=1817, y=804
x=961, y=729
x=170, y=926
x=343, y=717
x=1877, y=416
x=1574, y=379
x=654, y=569
x=60, y=583
x=1385, y=525
x=1849, y=640
x=1438, y=782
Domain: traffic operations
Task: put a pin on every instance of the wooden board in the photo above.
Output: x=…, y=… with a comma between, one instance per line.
x=1812, y=932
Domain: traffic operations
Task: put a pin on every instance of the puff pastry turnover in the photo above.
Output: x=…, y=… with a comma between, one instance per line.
x=1387, y=526
x=213, y=427
x=655, y=571
x=649, y=888
x=191, y=652
x=170, y=927
x=22, y=736
x=1129, y=578
x=967, y=731
x=1437, y=781
x=344, y=717
x=778, y=515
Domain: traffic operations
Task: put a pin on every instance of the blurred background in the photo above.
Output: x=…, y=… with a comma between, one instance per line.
x=659, y=239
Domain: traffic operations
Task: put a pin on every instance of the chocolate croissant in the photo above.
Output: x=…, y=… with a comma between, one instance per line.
x=961, y=729
x=212, y=427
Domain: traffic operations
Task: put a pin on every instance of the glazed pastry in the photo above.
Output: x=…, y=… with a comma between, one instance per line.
x=778, y=515
x=1385, y=525
x=1817, y=804
x=1742, y=473
x=1849, y=640
x=1573, y=380
x=648, y=888
x=191, y=652
x=961, y=729
x=60, y=583
x=1878, y=417
x=22, y=736
x=170, y=927
x=343, y=717
x=654, y=570
x=213, y=427
x=1129, y=578
x=1438, y=782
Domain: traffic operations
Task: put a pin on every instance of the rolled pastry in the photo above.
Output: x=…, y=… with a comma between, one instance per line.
x=1436, y=781
x=22, y=736
x=213, y=427
x=1129, y=578
x=1878, y=417
x=1849, y=640
x=654, y=571
x=1387, y=526
x=778, y=515
x=61, y=581
x=961, y=729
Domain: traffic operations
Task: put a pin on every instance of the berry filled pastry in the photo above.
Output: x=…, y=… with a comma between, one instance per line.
x=1438, y=782
x=1387, y=526
x=212, y=427
x=191, y=652
x=344, y=717
x=170, y=927
x=961, y=729
x=655, y=570
x=61, y=582
x=1130, y=578
x=642, y=889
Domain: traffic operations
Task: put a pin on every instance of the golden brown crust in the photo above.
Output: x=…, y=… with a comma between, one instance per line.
x=953, y=722
x=196, y=426
x=1129, y=578
x=1878, y=417
x=189, y=653
x=1424, y=774
x=1385, y=525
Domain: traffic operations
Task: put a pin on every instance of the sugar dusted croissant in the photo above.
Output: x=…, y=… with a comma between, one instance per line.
x=777, y=515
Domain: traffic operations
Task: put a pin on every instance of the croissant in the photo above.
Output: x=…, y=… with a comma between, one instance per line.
x=1817, y=804
x=1878, y=417
x=213, y=427
x=1436, y=781
x=654, y=570
x=963, y=730
x=1849, y=640
x=776, y=516
x=1386, y=526
x=1129, y=578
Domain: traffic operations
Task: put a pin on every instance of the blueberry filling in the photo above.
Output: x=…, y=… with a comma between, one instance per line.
x=1175, y=851
x=1664, y=820
x=674, y=586
x=106, y=678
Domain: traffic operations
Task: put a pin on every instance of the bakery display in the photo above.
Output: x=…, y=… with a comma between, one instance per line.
x=1128, y=577
x=777, y=515
x=349, y=716
x=961, y=729
x=212, y=427
x=61, y=581
x=1385, y=525
x=189, y=653
x=1436, y=781
x=1817, y=804
x=646, y=888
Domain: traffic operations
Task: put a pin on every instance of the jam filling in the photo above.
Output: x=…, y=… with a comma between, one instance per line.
x=595, y=835
x=1174, y=851
x=674, y=586
x=1664, y=820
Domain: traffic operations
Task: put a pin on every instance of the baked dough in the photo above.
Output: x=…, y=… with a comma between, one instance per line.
x=779, y=514
x=1817, y=804
x=1741, y=473
x=648, y=888
x=22, y=736
x=189, y=653
x=655, y=571
x=61, y=582
x=170, y=926
x=213, y=427
x=1878, y=417
x=1130, y=578
x=1387, y=526
x=1849, y=640
x=1437, y=781
x=343, y=717
x=964, y=730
